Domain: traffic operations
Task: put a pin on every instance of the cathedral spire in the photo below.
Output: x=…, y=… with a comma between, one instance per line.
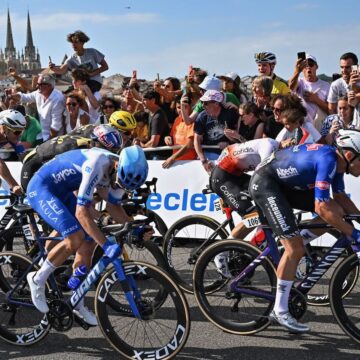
x=9, y=35
x=29, y=39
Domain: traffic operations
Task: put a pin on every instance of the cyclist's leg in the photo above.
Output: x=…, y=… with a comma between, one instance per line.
x=268, y=195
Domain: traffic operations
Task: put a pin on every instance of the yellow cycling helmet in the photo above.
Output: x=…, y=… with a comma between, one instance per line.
x=122, y=120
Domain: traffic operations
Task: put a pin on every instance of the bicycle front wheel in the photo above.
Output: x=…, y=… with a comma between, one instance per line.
x=346, y=309
x=181, y=243
x=242, y=311
x=19, y=324
x=163, y=328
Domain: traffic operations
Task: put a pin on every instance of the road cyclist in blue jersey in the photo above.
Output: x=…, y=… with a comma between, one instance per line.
x=51, y=194
x=311, y=169
x=12, y=124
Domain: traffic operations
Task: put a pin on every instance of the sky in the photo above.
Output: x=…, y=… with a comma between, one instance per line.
x=166, y=36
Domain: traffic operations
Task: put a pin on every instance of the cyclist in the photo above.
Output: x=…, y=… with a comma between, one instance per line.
x=104, y=136
x=310, y=169
x=12, y=124
x=266, y=62
x=51, y=194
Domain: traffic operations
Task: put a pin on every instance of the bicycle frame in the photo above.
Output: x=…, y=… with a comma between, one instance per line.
x=311, y=278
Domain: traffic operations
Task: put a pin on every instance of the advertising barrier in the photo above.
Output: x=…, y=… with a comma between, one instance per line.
x=179, y=191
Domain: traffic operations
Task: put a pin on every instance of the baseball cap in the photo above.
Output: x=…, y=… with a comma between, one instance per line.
x=213, y=95
x=210, y=83
x=231, y=75
x=310, y=57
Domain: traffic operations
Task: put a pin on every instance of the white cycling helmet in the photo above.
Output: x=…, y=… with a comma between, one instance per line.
x=265, y=57
x=13, y=119
x=349, y=140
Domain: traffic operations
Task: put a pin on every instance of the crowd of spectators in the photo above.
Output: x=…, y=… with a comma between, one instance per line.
x=198, y=116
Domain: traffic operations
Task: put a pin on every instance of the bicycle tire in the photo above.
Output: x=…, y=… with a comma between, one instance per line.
x=123, y=330
x=346, y=309
x=23, y=326
x=182, y=237
x=221, y=306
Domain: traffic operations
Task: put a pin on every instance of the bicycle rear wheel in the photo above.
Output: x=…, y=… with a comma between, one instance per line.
x=181, y=242
x=19, y=324
x=346, y=309
x=234, y=311
x=163, y=329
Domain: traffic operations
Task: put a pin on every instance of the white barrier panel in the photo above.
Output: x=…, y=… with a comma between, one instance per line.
x=179, y=190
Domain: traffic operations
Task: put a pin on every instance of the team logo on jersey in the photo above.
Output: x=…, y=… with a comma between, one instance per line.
x=243, y=151
x=62, y=175
x=313, y=147
x=322, y=185
x=287, y=172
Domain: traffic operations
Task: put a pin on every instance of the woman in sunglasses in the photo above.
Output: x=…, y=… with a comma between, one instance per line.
x=108, y=106
x=74, y=115
x=12, y=124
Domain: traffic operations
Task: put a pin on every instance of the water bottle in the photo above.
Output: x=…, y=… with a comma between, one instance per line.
x=77, y=277
x=259, y=239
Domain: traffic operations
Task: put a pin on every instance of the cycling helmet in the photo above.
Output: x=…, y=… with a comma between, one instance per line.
x=122, y=120
x=265, y=57
x=107, y=136
x=132, y=168
x=349, y=140
x=13, y=119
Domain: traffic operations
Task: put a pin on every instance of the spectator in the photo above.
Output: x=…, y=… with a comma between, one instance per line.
x=209, y=83
x=31, y=136
x=74, y=115
x=296, y=131
x=214, y=126
x=340, y=87
x=130, y=102
x=180, y=134
x=168, y=91
x=92, y=100
x=354, y=102
x=251, y=126
x=231, y=84
x=191, y=86
x=107, y=105
x=158, y=124
x=87, y=59
x=334, y=122
x=311, y=89
x=49, y=103
x=141, y=132
x=266, y=62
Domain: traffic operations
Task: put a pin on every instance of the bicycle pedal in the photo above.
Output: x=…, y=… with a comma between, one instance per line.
x=82, y=323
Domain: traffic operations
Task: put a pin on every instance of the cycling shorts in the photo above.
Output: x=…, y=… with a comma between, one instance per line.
x=276, y=202
x=231, y=189
x=29, y=168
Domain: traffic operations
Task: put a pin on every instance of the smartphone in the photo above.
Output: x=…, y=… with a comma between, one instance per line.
x=354, y=68
x=301, y=55
x=335, y=76
x=157, y=76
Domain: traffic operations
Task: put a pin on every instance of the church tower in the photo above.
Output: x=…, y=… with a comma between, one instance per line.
x=30, y=59
x=10, y=57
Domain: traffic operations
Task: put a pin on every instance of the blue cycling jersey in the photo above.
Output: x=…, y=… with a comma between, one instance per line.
x=308, y=166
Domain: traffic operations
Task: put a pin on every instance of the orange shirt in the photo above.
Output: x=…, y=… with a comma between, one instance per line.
x=180, y=133
x=141, y=132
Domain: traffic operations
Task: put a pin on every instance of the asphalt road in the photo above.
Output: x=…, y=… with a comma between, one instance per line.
x=326, y=341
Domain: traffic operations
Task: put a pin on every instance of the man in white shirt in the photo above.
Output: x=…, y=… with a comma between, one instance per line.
x=312, y=90
x=50, y=104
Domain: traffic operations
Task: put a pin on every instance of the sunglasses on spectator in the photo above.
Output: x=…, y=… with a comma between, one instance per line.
x=108, y=107
x=72, y=104
x=277, y=110
x=205, y=103
x=14, y=131
x=42, y=84
x=310, y=63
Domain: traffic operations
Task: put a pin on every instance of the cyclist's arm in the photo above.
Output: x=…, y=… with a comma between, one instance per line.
x=346, y=203
x=6, y=174
x=332, y=213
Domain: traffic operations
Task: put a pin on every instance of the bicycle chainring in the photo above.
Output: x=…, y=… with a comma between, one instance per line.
x=297, y=304
x=60, y=316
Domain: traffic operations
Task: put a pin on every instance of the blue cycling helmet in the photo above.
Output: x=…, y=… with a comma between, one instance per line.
x=132, y=168
x=108, y=137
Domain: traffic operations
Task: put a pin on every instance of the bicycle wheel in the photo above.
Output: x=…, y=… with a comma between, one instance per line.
x=19, y=324
x=161, y=332
x=234, y=311
x=181, y=242
x=346, y=309
x=319, y=294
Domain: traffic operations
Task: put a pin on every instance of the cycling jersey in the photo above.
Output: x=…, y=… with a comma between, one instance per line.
x=239, y=158
x=84, y=131
x=50, y=191
x=47, y=151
